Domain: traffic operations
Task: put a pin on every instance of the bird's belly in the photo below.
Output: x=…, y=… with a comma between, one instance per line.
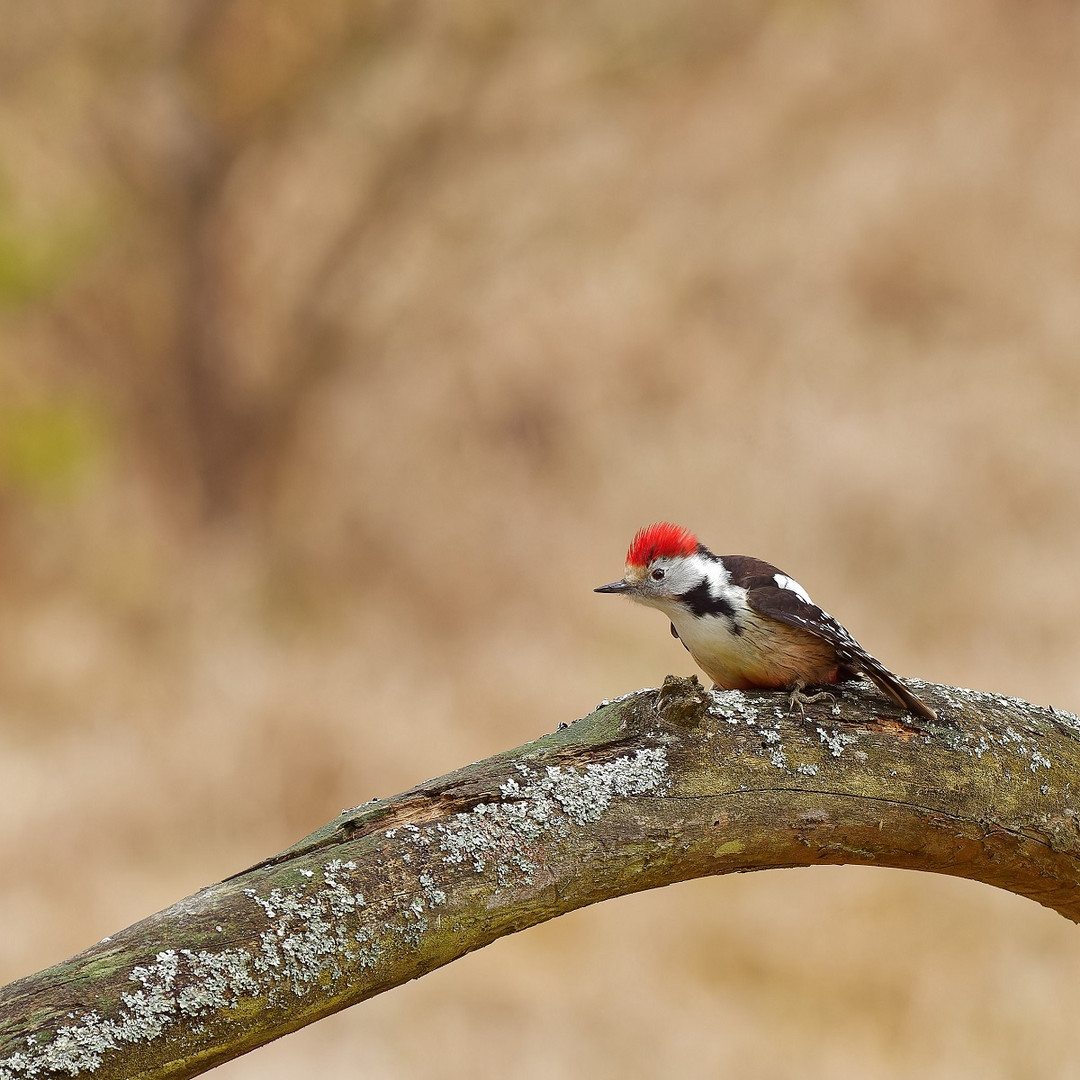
x=764, y=655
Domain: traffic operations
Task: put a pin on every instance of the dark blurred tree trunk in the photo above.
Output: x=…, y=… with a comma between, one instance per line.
x=216, y=441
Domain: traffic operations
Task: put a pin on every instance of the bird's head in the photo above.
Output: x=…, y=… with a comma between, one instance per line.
x=662, y=565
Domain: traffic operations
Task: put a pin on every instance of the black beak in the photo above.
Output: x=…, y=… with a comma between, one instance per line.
x=615, y=586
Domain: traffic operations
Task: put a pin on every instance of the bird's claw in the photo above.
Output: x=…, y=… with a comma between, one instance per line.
x=799, y=700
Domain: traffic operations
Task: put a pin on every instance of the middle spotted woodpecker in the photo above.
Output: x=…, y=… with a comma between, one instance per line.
x=747, y=624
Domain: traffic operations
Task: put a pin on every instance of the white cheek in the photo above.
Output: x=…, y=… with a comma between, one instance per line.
x=681, y=579
x=792, y=586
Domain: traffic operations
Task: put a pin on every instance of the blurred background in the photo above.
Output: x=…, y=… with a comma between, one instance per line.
x=343, y=347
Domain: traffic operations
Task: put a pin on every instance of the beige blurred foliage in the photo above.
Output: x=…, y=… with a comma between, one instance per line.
x=344, y=345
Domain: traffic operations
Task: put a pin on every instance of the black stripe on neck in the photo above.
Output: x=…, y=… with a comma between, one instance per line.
x=701, y=602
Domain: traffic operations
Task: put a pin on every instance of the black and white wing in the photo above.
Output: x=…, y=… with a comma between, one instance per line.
x=774, y=595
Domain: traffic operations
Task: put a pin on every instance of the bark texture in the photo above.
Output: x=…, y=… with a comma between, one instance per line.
x=648, y=790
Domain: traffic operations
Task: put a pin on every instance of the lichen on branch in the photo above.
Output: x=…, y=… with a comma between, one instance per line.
x=649, y=789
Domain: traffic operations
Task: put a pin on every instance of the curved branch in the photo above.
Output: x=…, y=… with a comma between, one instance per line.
x=655, y=788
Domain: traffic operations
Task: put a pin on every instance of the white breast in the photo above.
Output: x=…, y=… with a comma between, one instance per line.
x=764, y=654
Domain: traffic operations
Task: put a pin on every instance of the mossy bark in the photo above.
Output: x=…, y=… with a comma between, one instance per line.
x=645, y=791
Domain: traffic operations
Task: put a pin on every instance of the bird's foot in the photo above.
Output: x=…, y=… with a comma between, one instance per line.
x=799, y=700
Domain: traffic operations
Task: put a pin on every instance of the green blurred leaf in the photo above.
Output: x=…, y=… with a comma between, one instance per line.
x=34, y=259
x=32, y=265
x=46, y=447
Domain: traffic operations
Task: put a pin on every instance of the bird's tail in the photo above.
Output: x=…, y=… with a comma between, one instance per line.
x=894, y=687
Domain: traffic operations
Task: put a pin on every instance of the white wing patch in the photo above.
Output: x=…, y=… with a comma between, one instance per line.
x=784, y=582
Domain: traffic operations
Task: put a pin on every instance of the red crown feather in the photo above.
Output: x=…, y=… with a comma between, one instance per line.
x=662, y=540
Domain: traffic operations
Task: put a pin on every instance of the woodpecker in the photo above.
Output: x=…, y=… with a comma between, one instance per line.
x=747, y=624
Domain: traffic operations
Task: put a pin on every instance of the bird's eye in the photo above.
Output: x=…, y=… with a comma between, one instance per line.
x=657, y=574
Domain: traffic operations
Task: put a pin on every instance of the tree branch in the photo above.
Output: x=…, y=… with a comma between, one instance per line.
x=655, y=788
